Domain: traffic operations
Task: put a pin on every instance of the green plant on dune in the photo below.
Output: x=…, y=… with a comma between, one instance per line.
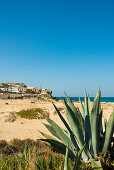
x=84, y=127
x=33, y=113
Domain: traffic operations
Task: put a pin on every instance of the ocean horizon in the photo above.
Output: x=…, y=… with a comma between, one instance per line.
x=103, y=99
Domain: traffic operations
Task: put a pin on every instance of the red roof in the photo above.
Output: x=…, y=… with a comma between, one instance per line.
x=45, y=94
x=10, y=83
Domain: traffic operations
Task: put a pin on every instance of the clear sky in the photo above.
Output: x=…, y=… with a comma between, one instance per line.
x=63, y=45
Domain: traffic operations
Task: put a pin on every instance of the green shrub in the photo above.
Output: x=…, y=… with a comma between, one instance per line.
x=34, y=113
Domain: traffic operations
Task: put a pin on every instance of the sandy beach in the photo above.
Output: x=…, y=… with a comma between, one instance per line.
x=22, y=128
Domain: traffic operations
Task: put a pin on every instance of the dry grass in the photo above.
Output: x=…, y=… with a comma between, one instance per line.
x=25, y=154
x=11, y=118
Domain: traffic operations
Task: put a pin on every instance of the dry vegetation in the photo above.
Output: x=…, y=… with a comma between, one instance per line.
x=25, y=154
x=11, y=117
x=34, y=113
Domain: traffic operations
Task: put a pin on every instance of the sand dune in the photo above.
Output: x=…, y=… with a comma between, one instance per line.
x=23, y=128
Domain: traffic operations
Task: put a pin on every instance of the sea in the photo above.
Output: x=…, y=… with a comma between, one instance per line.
x=103, y=99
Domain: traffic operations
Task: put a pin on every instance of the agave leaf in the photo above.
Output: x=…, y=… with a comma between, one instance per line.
x=76, y=113
x=47, y=136
x=73, y=108
x=67, y=127
x=100, y=127
x=102, y=137
x=81, y=122
x=109, y=133
x=105, y=124
x=59, y=147
x=87, y=123
x=99, y=92
x=75, y=126
x=86, y=104
x=87, y=131
x=78, y=156
x=82, y=111
x=67, y=133
x=69, y=136
x=66, y=160
x=89, y=110
x=51, y=129
x=89, y=105
x=94, y=123
x=74, y=123
x=61, y=134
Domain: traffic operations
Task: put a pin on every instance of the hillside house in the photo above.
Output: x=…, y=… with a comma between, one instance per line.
x=13, y=89
x=21, y=89
x=30, y=88
x=4, y=89
x=35, y=89
x=10, y=84
x=21, y=85
x=46, y=93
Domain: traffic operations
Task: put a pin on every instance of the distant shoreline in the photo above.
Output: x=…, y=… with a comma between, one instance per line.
x=103, y=99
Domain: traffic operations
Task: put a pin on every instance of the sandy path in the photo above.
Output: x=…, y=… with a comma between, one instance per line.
x=23, y=128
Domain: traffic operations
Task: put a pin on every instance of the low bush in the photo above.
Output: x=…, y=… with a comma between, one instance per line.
x=34, y=113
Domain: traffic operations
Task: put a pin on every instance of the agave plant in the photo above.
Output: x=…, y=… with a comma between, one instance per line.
x=85, y=127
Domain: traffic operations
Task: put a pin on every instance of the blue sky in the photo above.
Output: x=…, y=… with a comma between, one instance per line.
x=61, y=45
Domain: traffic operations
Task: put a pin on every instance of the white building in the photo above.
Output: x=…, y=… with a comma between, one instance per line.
x=14, y=89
